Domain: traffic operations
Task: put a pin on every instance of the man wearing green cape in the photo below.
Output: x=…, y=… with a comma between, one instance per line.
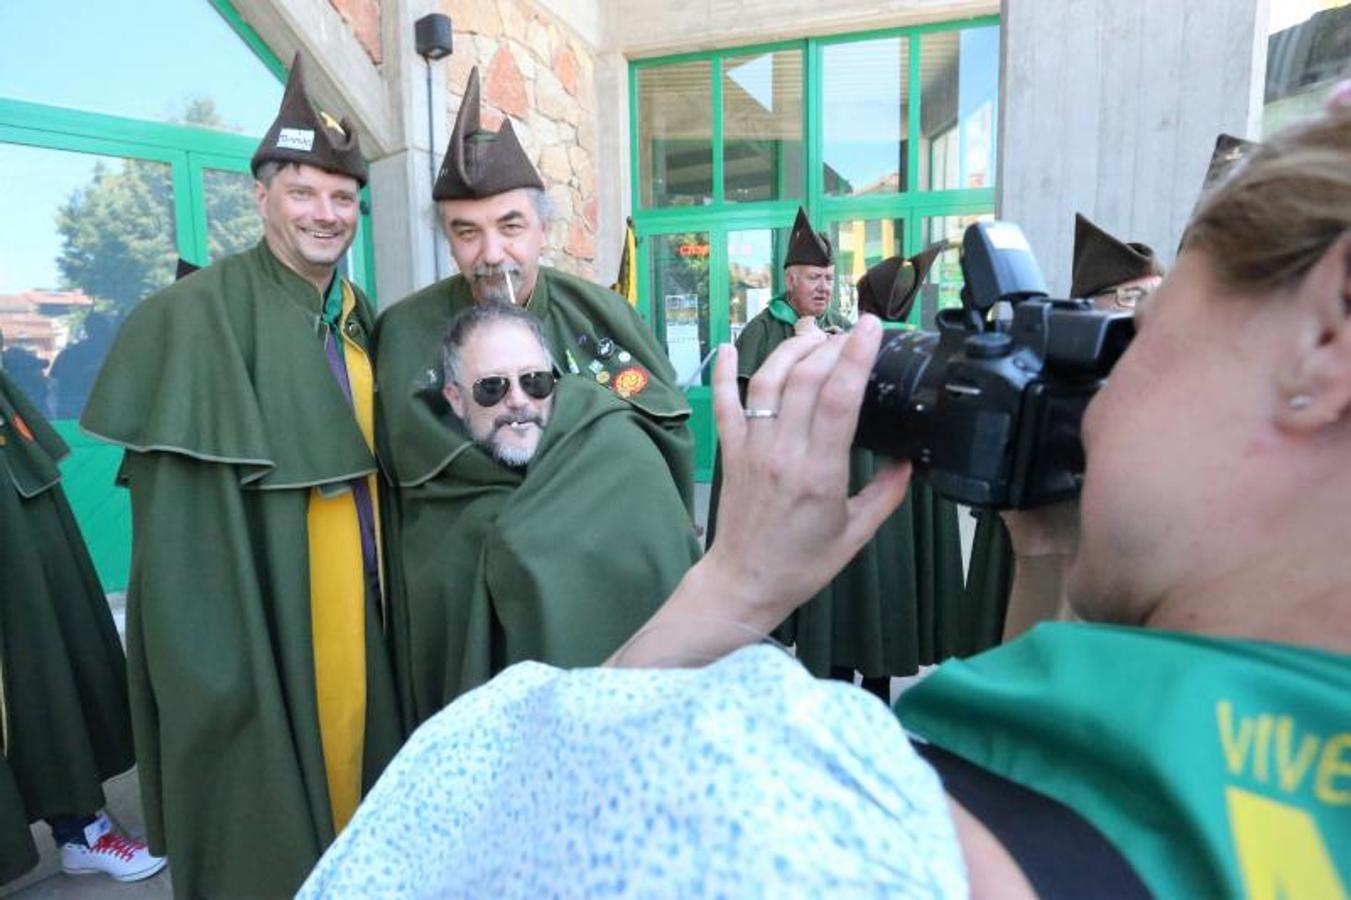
x=1115, y=275
x=553, y=530
x=262, y=700
x=64, y=723
x=894, y=607
x=492, y=204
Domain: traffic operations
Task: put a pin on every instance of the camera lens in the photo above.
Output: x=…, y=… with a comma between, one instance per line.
x=900, y=365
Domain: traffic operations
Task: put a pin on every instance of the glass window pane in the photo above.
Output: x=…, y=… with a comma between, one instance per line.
x=675, y=134
x=160, y=60
x=232, y=222
x=859, y=245
x=83, y=239
x=958, y=100
x=680, y=288
x=865, y=89
x=754, y=272
x=762, y=126
x=943, y=286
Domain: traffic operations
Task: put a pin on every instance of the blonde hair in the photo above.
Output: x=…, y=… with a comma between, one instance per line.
x=1268, y=223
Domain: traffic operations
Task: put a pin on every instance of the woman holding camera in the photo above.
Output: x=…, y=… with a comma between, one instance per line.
x=1196, y=741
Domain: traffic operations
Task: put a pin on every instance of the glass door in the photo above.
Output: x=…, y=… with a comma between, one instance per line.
x=224, y=217
x=861, y=243
x=754, y=273
x=84, y=237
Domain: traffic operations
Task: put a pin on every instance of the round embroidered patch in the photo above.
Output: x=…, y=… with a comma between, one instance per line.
x=630, y=381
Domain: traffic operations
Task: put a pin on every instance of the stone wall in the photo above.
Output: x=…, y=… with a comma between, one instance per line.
x=363, y=18
x=540, y=73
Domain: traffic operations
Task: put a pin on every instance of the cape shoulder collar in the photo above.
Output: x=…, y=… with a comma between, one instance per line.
x=243, y=333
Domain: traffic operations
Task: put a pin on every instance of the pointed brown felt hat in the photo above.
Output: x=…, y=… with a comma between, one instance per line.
x=480, y=163
x=1101, y=261
x=1225, y=160
x=1228, y=155
x=301, y=135
x=888, y=289
x=807, y=247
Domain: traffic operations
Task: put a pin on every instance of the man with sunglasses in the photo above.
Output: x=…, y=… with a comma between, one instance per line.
x=499, y=380
x=492, y=204
x=552, y=530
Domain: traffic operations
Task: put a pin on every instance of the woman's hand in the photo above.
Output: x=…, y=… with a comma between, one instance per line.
x=786, y=525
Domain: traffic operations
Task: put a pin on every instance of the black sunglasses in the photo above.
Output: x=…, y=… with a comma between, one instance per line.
x=490, y=390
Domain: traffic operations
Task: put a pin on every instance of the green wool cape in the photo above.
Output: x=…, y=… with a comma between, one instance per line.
x=988, y=583
x=591, y=331
x=219, y=389
x=66, y=726
x=1217, y=767
x=561, y=563
x=898, y=604
x=17, y=852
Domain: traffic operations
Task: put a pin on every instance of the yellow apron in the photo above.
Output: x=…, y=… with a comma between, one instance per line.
x=338, y=602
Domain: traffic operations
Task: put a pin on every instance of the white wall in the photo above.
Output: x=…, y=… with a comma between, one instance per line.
x=645, y=28
x=1111, y=109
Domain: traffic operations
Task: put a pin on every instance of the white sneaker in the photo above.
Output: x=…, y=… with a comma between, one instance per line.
x=119, y=856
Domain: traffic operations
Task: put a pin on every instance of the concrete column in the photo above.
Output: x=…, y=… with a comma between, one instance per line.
x=613, y=188
x=409, y=253
x=1111, y=109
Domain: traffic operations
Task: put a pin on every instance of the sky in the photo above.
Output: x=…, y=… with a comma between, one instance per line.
x=38, y=180
x=1285, y=14
x=58, y=52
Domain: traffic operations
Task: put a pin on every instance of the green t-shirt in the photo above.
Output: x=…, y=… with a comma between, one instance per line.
x=1217, y=767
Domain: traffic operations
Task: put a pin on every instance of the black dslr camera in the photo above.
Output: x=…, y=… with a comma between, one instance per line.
x=989, y=412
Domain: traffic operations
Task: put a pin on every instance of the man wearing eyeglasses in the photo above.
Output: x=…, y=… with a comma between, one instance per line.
x=1114, y=274
x=499, y=380
x=1117, y=276
x=551, y=531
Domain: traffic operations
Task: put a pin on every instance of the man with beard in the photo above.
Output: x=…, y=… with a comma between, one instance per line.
x=261, y=696
x=499, y=381
x=551, y=532
x=491, y=203
x=893, y=608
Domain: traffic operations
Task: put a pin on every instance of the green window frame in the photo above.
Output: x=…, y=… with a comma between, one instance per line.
x=104, y=513
x=719, y=217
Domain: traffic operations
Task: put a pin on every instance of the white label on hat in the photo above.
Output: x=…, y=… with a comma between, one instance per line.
x=301, y=139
